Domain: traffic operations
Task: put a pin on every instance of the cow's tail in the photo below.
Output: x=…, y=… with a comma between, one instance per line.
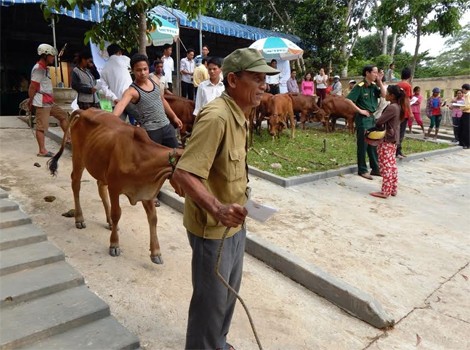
x=53, y=163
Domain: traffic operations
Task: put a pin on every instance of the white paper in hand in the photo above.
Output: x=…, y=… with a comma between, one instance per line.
x=259, y=212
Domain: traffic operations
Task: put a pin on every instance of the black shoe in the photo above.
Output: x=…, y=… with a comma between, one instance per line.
x=157, y=203
x=373, y=173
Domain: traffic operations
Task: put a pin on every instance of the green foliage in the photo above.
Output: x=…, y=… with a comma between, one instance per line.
x=306, y=153
x=370, y=46
x=420, y=17
x=121, y=23
x=323, y=30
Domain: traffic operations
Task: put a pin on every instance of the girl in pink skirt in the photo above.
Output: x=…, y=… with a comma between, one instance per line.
x=389, y=121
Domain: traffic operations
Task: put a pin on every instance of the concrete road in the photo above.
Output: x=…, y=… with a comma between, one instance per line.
x=411, y=253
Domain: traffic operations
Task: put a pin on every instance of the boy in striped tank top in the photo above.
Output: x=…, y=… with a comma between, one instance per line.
x=154, y=112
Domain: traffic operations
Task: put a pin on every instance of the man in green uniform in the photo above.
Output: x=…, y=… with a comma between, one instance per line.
x=366, y=96
x=213, y=174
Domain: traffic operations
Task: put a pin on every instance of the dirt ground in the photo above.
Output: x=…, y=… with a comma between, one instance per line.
x=411, y=253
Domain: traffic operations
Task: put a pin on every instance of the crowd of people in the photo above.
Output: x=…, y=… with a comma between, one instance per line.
x=214, y=174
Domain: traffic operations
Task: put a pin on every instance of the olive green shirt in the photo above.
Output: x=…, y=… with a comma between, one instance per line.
x=365, y=96
x=216, y=153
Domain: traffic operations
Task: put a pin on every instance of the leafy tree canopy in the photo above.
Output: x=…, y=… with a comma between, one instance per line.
x=125, y=22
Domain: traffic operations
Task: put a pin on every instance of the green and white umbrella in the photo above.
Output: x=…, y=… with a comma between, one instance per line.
x=162, y=32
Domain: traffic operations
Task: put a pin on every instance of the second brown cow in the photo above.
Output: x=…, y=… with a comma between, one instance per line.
x=280, y=115
x=339, y=107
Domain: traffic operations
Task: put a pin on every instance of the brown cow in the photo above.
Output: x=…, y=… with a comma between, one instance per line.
x=305, y=105
x=123, y=160
x=184, y=109
x=259, y=114
x=339, y=107
x=281, y=113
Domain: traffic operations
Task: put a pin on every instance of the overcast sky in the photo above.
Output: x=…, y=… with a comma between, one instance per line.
x=434, y=43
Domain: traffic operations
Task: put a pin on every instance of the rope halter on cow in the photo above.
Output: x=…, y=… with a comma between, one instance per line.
x=172, y=160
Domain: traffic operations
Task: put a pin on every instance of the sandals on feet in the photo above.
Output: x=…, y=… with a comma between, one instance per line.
x=47, y=155
x=378, y=195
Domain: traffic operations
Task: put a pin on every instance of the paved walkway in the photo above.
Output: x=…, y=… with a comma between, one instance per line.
x=411, y=253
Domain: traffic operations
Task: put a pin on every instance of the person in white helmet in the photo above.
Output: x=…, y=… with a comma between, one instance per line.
x=41, y=97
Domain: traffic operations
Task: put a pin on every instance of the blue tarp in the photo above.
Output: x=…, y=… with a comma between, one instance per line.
x=220, y=26
x=95, y=14
x=209, y=24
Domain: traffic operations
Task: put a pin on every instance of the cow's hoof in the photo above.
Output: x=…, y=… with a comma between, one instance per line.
x=80, y=225
x=114, y=251
x=157, y=259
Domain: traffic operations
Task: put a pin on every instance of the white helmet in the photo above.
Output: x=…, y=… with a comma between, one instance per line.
x=46, y=49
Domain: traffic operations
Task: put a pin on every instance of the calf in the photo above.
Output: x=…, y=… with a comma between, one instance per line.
x=339, y=107
x=184, y=109
x=123, y=160
x=281, y=113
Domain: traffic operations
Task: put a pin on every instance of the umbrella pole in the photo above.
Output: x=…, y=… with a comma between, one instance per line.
x=200, y=34
x=55, y=47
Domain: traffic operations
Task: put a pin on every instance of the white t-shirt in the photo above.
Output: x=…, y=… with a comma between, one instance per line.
x=319, y=80
x=188, y=66
x=168, y=68
x=207, y=92
x=115, y=77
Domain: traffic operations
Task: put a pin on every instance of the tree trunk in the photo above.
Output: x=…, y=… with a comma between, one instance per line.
x=384, y=40
x=143, y=33
x=418, y=38
x=394, y=45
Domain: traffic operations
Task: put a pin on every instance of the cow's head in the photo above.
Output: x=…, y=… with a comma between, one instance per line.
x=320, y=116
x=276, y=124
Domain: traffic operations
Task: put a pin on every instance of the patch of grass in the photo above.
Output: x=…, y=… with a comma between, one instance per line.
x=314, y=150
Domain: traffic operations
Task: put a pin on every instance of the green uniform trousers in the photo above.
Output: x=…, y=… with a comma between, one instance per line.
x=362, y=124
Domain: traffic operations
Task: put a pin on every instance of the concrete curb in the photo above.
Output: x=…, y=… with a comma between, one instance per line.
x=298, y=180
x=343, y=295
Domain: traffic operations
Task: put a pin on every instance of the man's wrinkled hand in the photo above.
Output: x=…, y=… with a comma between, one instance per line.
x=231, y=215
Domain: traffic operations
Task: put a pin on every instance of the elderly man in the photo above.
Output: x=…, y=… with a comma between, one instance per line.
x=365, y=96
x=213, y=174
x=337, y=87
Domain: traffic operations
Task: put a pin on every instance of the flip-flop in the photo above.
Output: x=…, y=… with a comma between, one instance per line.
x=378, y=195
x=47, y=155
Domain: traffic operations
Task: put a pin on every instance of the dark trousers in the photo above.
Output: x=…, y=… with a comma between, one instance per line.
x=165, y=136
x=212, y=304
x=321, y=96
x=85, y=105
x=362, y=124
x=464, y=130
x=456, y=124
x=403, y=125
x=187, y=90
x=170, y=87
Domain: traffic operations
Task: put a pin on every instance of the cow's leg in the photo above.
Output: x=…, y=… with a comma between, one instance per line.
x=76, y=183
x=114, y=249
x=103, y=191
x=155, y=254
x=292, y=125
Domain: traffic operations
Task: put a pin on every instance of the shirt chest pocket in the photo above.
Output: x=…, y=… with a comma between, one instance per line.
x=236, y=164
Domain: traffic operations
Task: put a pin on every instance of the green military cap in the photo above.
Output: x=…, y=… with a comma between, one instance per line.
x=246, y=59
